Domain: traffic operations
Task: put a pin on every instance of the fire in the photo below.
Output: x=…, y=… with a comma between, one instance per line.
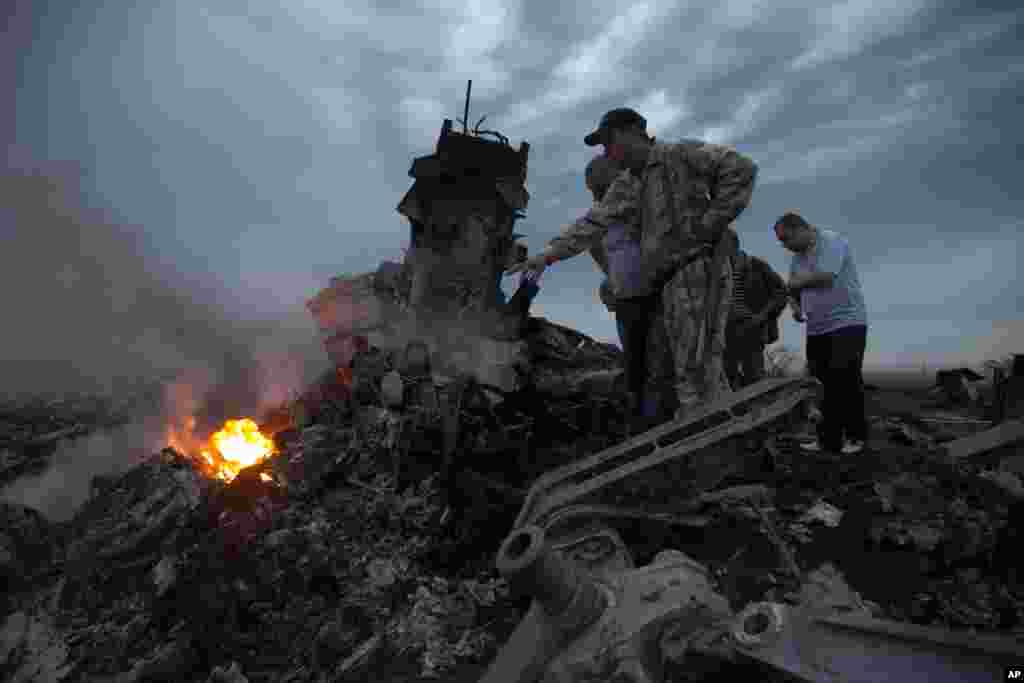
x=236, y=446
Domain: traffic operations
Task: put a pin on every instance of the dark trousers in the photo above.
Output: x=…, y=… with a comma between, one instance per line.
x=633, y=320
x=744, y=358
x=836, y=360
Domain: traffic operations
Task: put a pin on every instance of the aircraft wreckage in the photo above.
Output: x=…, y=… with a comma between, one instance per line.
x=595, y=615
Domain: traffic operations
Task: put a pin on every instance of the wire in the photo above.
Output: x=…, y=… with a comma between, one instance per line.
x=502, y=138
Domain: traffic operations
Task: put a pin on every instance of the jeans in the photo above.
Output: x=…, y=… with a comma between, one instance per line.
x=633, y=321
x=836, y=359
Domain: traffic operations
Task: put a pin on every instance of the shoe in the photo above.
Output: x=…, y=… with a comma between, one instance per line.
x=811, y=446
x=816, y=447
x=853, y=447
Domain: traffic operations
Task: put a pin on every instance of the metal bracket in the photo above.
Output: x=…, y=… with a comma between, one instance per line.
x=856, y=648
x=734, y=414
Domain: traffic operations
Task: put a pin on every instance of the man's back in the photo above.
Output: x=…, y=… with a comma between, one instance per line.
x=692, y=191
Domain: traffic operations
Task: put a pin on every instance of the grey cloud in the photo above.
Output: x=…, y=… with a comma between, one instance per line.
x=851, y=26
x=962, y=37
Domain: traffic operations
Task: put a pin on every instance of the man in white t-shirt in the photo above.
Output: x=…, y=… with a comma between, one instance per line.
x=826, y=294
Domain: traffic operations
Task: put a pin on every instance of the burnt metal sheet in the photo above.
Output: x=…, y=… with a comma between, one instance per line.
x=513, y=193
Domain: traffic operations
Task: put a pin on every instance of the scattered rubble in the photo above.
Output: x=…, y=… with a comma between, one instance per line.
x=959, y=385
x=229, y=674
x=26, y=542
x=324, y=569
x=823, y=512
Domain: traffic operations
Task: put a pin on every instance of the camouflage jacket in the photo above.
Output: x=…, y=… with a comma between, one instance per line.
x=709, y=186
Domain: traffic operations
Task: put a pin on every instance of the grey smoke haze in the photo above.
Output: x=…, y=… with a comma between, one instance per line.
x=92, y=305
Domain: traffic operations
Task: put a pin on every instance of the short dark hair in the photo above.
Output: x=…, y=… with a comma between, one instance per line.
x=790, y=221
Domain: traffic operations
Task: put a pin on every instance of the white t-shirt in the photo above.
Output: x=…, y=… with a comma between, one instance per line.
x=842, y=304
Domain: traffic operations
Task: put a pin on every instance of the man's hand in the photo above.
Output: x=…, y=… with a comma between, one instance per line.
x=797, y=282
x=798, y=313
x=821, y=280
x=535, y=264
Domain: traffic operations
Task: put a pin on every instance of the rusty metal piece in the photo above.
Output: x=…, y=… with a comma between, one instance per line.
x=731, y=415
x=855, y=648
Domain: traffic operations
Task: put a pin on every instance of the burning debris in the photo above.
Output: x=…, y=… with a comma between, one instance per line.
x=237, y=445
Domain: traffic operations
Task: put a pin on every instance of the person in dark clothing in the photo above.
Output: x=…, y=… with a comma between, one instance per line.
x=826, y=293
x=759, y=297
x=618, y=255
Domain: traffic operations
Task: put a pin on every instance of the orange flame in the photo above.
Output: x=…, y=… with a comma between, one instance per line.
x=239, y=444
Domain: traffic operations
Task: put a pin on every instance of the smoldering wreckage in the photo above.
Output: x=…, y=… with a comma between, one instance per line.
x=355, y=534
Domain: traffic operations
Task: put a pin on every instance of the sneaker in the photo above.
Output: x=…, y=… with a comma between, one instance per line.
x=811, y=446
x=853, y=447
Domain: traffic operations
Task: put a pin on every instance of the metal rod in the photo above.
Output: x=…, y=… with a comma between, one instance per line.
x=465, y=115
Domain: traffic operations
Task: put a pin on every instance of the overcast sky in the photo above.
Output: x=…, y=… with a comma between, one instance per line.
x=257, y=148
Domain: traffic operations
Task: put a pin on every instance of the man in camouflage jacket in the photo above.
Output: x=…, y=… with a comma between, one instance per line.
x=685, y=195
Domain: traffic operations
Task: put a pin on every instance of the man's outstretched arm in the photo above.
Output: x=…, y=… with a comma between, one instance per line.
x=620, y=204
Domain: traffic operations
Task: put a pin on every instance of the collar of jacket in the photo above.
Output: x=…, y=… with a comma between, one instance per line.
x=656, y=156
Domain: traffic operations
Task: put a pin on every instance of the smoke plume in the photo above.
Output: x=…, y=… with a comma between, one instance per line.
x=92, y=307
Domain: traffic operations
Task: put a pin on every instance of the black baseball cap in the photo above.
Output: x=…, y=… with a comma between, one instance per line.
x=615, y=119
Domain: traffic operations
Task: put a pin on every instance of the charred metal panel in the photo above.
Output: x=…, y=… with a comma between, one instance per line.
x=462, y=207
